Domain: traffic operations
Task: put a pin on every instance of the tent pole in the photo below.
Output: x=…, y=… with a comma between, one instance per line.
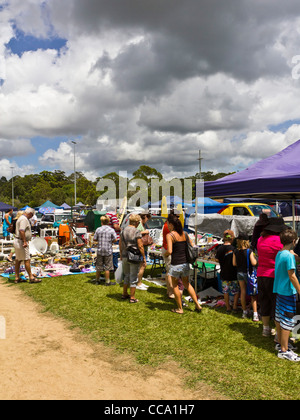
x=293, y=210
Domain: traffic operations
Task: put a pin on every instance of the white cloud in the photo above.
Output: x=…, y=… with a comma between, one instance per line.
x=7, y=171
x=142, y=87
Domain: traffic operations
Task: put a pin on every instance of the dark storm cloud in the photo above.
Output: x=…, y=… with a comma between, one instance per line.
x=188, y=38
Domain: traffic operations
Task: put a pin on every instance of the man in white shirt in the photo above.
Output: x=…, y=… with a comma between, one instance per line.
x=21, y=245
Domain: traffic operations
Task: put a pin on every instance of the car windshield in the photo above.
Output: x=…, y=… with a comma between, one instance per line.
x=60, y=217
x=156, y=222
x=259, y=208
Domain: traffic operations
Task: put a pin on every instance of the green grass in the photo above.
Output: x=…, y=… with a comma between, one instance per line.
x=221, y=350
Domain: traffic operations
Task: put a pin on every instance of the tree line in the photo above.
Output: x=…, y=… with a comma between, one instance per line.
x=56, y=186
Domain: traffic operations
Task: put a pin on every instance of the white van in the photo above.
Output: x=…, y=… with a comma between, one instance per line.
x=58, y=216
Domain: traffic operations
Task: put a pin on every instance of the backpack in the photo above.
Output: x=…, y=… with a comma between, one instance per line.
x=12, y=227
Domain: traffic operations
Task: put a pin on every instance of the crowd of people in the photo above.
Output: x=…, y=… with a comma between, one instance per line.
x=264, y=270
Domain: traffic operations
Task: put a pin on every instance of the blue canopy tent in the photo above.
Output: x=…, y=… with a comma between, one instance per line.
x=208, y=205
x=276, y=177
x=5, y=207
x=65, y=206
x=171, y=200
x=48, y=207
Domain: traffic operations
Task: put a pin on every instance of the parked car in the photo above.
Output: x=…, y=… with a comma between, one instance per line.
x=51, y=218
x=247, y=209
x=156, y=222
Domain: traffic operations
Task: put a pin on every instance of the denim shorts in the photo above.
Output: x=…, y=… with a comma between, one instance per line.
x=181, y=270
x=242, y=276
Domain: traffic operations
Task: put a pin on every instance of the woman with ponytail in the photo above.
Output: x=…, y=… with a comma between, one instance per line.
x=177, y=248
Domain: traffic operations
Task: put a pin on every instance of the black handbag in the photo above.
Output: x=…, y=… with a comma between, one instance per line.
x=191, y=251
x=133, y=254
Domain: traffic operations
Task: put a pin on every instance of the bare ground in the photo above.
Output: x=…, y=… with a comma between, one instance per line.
x=41, y=358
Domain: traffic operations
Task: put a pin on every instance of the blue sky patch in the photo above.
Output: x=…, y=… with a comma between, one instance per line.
x=22, y=43
x=283, y=127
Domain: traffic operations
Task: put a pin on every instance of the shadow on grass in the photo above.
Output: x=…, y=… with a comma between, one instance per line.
x=253, y=335
x=154, y=306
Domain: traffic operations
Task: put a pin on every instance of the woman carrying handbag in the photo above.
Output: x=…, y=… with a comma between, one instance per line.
x=177, y=248
x=147, y=241
x=132, y=254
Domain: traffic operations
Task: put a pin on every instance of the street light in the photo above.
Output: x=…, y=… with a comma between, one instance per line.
x=12, y=186
x=75, y=193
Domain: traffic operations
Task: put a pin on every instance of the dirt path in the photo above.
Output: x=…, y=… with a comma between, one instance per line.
x=41, y=358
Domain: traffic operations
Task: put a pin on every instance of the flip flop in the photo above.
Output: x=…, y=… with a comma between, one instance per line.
x=35, y=280
x=133, y=301
x=176, y=311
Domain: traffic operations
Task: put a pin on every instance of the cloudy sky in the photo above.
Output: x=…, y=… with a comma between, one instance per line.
x=147, y=82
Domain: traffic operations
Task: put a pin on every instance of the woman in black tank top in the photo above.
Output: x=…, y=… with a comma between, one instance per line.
x=177, y=248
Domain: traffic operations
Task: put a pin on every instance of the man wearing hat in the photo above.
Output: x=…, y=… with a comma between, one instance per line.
x=268, y=246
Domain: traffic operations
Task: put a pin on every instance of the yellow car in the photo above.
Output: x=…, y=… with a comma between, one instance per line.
x=247, y=209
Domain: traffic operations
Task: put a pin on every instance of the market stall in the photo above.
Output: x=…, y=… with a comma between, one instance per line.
x=276, y=177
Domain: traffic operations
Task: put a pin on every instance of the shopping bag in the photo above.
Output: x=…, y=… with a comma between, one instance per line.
x=119, y=275
x=252, y=288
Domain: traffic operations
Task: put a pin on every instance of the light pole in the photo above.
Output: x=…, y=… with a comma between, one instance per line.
x=75, y=193
x=12, y=186
x=200, y=165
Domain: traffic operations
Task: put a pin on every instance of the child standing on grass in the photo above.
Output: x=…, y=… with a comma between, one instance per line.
x=228, y=271
x=286, y=287
x=240, y=260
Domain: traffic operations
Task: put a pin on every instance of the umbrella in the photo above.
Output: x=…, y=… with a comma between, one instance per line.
x=48, y=210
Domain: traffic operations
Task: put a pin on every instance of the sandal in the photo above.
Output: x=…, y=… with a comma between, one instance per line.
x=16, y=281
x=177, y=311
x=35, y=280
x=133, y=300
x=124, y=297
x=199, y=310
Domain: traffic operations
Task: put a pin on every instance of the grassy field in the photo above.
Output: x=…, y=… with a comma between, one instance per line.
x=222, y=350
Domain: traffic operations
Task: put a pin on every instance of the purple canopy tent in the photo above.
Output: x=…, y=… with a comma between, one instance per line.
x=276, y=177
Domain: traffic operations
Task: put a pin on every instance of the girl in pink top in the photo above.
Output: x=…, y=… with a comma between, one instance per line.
x=268, y=246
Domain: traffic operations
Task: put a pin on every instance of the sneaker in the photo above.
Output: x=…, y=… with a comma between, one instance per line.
x=290, y=347
x=255, y=318
x=142, y=287
x=112, y=283
x=289, y=355
x=245, y=315
x=266, y=332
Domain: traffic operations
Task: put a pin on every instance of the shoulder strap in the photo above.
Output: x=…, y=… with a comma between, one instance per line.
x=173, y=237
x=248, y=258
x=123, y=238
